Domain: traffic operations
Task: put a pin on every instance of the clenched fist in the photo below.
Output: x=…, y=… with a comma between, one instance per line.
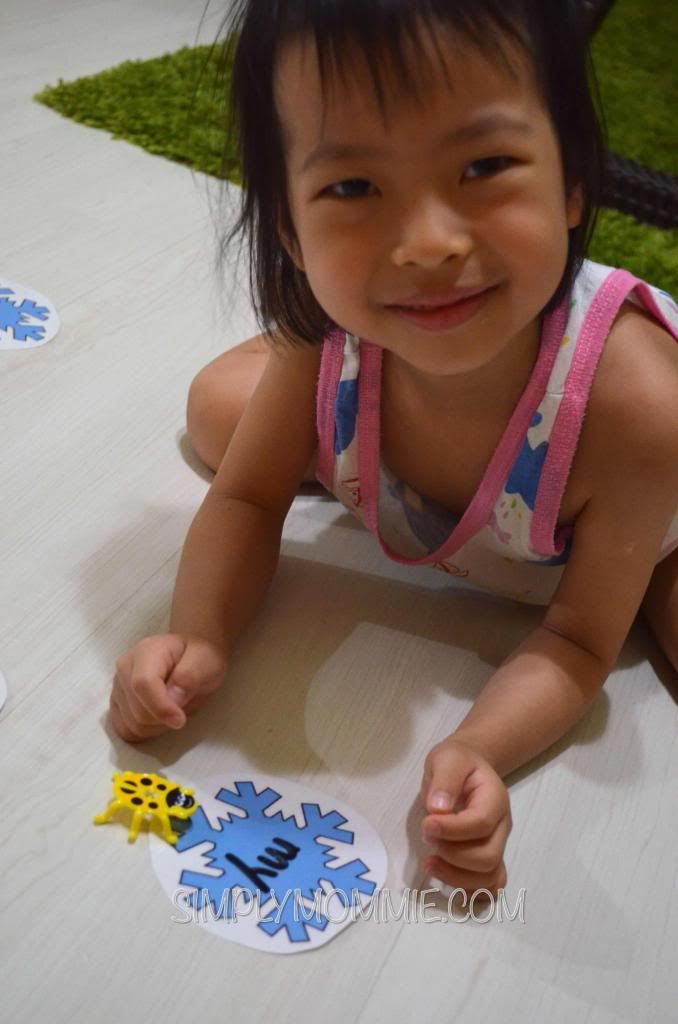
x=160, y=681
x=468, y=819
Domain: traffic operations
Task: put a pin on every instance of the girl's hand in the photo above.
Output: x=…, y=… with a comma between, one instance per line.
x=160, y=681
x=468, y=820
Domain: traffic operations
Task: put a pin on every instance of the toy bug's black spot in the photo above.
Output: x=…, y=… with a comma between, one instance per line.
x=152, y=804
x=126, y=790
x=137, y=800
x=146, y=781
x=161, y=785
x=177, y=798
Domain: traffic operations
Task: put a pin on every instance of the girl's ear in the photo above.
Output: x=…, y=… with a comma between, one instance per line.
x=575, y=207
x=292, y=249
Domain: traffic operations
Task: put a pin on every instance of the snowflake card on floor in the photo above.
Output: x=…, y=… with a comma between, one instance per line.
x=271, y=864
x=27, y=318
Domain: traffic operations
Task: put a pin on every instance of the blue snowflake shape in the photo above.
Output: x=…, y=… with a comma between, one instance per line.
x=16, y=316
x=271, y=855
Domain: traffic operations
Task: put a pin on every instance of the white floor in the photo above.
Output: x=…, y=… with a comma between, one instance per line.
x=353, y=669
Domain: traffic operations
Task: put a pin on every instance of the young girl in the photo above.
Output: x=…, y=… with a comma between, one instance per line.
x=419, y=185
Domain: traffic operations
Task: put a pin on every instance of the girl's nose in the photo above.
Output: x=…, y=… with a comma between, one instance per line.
x=432, y=234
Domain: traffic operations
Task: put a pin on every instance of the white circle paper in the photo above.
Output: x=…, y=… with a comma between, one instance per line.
x=27, y=318
x=270, y=863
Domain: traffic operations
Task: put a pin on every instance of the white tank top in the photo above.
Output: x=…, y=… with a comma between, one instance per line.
x=508, y=540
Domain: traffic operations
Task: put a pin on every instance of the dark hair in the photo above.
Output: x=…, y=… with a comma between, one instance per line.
x=552, y=33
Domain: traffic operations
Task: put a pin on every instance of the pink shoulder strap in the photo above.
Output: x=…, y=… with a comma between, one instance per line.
x=569, y=419
x=328, y=379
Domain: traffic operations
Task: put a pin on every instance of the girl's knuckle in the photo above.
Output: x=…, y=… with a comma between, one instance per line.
x=146, y=641
x=430, y=759
x=485, y=823
x=140, y=683
x=184, y=677
x=486, y=861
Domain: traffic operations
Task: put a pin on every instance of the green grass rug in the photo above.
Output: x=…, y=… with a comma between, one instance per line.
x=168, y=106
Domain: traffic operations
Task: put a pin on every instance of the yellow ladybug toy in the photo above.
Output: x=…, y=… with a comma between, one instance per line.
x=145, y=793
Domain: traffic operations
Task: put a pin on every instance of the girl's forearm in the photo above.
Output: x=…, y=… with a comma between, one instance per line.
x=228, y=561
x=534, y=698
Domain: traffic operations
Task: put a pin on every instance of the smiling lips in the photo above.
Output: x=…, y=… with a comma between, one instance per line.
x=435, y=314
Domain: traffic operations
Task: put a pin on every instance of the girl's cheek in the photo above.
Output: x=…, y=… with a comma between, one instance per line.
x=341, y=252
x=339, y=286
x=527, y=225
x=336, y=285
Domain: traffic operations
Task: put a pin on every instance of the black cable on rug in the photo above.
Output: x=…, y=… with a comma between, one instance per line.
x=629, y=186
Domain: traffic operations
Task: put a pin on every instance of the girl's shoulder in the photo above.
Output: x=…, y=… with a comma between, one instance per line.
x=632, y=405
x=636, y=382
x=628, y=448
x=275, y=438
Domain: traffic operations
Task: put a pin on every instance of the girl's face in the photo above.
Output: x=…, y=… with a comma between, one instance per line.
x=464, y=192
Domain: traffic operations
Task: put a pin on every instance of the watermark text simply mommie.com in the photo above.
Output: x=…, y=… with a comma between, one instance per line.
x=413, y=906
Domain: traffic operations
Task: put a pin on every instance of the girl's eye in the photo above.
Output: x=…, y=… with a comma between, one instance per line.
x=351, y=184
x=489, y=166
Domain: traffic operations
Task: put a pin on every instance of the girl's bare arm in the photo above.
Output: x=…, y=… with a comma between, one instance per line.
x=549, y=682
x=232, y=547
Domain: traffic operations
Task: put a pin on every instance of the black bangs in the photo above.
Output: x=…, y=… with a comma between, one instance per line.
x=388, y=36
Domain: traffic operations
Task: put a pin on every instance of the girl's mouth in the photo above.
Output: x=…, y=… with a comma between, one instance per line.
x=443, y=316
